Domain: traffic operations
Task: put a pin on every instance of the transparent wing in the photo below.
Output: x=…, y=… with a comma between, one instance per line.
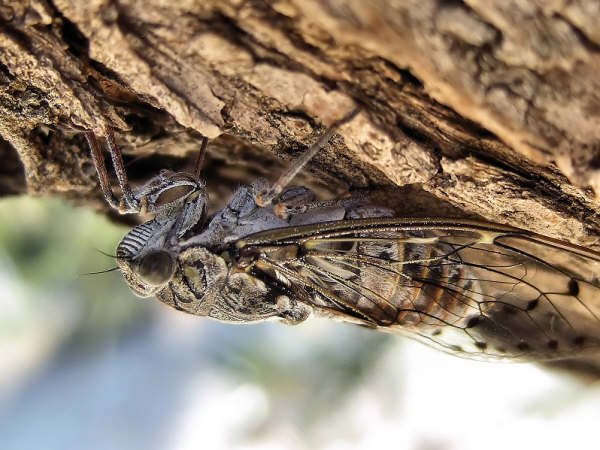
x=470, y=288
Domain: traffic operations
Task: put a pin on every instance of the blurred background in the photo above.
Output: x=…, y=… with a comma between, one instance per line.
x=85, y=364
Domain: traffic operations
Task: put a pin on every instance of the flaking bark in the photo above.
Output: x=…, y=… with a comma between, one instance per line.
x=483, y=109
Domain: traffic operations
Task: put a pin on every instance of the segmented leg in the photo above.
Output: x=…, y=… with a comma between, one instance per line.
x=98, y=159
x=265, y=197
x=200, y=158
x=145, y=198
x=128, y=203
x=293, y=201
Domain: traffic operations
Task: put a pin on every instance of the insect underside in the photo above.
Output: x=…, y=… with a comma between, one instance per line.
x=474, y=289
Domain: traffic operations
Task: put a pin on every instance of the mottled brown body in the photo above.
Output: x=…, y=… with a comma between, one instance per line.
x=474, y=289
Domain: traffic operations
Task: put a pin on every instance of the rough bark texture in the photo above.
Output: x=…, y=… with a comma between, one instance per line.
x=472, y=108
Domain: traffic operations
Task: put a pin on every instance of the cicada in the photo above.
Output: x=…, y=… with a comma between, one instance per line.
x=474, y=289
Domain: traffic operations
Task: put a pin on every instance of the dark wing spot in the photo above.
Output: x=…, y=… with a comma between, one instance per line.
x=579, y=341
x=472, y=321
x=481, y=345
x=509, y=309
x=456, y=348
x=436, y=332
x=573, y=287
x=552, y=344
x=532, y=304
x=523, y=346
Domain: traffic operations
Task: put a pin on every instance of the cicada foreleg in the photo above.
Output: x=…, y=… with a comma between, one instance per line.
x=98, y=159
x=149, y=198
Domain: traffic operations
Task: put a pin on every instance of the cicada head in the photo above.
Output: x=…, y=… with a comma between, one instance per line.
x=179, y=278
x=187, y=280
x=145, y=261
x=146, y=255
x=152, y=268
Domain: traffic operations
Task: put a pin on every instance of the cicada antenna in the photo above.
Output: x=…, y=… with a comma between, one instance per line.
x=265, y=197
x=112, y=269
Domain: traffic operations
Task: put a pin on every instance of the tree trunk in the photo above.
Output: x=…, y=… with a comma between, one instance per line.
x=483, y=109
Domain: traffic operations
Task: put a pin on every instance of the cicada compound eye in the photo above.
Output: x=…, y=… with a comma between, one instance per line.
x=156, y=267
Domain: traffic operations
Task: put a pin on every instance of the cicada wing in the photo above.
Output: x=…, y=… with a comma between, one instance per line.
x=473, y=289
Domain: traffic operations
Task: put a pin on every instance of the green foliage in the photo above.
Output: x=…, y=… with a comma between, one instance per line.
x=49, y=246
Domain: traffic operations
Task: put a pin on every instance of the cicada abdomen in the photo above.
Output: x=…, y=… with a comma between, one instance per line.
x=469, y=288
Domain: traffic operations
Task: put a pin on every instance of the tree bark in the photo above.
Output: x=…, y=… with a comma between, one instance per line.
x=484, y=109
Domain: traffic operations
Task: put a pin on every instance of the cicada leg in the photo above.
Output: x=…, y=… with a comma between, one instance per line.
x=98, y=159
x=266, y=196
x=143, y=199
x=293, y=201
x=128, y=203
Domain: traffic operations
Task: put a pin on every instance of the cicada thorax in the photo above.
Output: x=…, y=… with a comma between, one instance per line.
x=196, y=283
x=205, y=285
